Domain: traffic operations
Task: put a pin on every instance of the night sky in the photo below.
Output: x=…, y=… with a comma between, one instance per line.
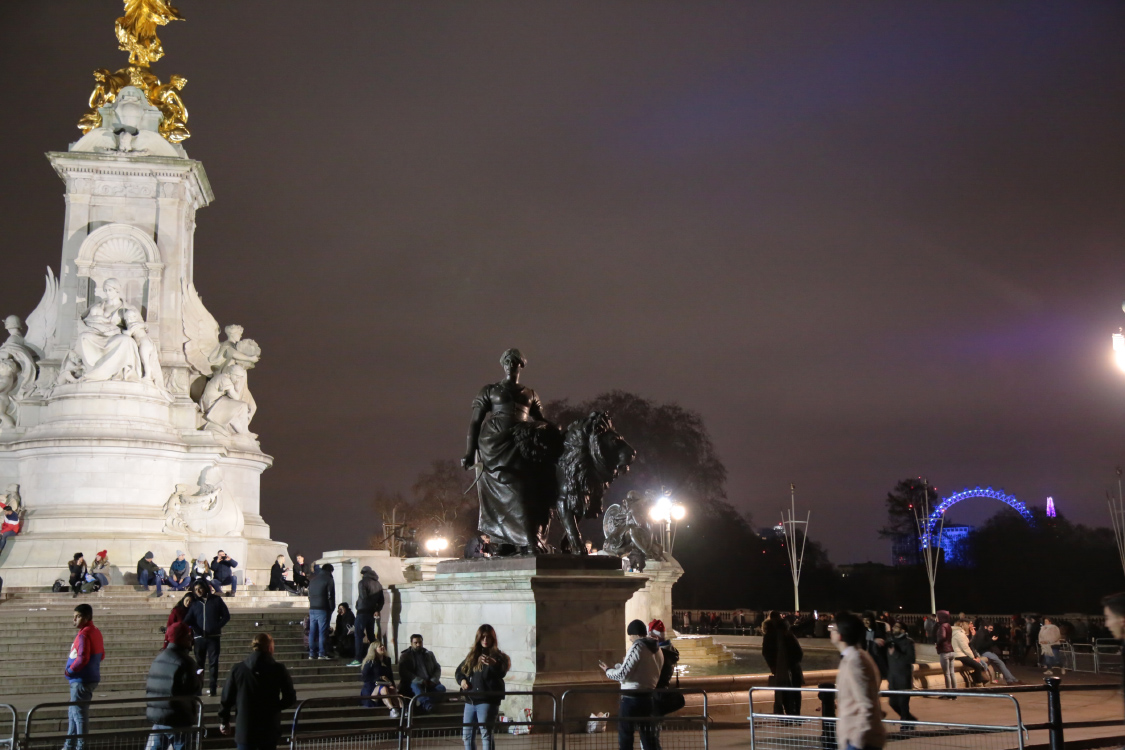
x=864, y=240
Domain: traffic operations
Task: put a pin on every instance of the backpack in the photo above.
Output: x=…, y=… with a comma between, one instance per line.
x=90, y=587
x=59, y=586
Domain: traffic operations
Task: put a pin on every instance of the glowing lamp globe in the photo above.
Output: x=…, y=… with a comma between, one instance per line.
x=1119, y=349
x=678, y=512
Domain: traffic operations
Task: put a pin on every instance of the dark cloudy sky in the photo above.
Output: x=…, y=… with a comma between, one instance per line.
x=865, y=240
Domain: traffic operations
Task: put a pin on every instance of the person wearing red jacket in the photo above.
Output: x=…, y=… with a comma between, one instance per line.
x=83, y=670
x=9, y=525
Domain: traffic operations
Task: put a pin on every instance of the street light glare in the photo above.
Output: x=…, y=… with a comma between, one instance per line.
x=1119, y=349
x=437, y=544
x=678, y=512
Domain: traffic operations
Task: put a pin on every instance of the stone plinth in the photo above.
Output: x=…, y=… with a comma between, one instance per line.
x=346, y=567
x=654, y=601
x=556, y=616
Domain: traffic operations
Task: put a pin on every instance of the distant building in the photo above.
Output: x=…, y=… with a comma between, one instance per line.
x=906, y=551
x=772, y=532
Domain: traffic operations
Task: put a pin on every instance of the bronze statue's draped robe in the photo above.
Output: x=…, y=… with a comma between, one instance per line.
x=516, y=451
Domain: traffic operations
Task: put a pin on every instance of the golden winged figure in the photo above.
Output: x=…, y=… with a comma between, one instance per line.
x=136, y=34
x=136, y=30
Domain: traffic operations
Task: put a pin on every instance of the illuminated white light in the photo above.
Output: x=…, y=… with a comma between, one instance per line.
x=1119, y=349
x=678, y=512
x=437, y=544
x=655, y=514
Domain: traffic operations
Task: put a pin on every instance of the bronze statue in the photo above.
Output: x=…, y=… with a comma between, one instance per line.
x=626, y=534
x=525, y=465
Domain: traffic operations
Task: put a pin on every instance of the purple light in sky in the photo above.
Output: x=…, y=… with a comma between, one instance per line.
x=1050, y=507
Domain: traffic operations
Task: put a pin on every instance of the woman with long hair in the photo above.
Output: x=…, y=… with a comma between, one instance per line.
x=379, y=679
x=482, y=671
x=178, y=613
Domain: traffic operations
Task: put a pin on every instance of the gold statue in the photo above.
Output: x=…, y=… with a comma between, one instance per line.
x=136, y=34
x=136, y=30
x=174, y=125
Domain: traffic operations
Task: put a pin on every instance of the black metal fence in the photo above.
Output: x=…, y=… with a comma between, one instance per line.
x=53, y=725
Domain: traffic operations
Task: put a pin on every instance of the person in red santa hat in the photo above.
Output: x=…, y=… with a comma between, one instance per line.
x=667, y=699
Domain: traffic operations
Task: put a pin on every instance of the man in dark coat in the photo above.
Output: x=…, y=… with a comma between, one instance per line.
x=900, y=672
x=479, y=546
x=206, y=617
x=322, y=603
x=368, y=606
x=172, y=675
x=258, y=689
x=222, y=572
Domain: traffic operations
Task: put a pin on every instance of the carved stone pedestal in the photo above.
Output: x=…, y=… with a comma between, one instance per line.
x=556, y=616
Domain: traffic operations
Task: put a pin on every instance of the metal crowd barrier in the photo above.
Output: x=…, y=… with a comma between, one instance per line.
x=9, y=725
x=46, y=725
x=794, y=728
x=684, y=729
x=436, y=729
x=344, y=723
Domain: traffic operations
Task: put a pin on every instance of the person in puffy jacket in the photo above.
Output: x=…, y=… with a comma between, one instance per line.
x=207, y=617
x=482, y=671
x=172, y=675
x=9, y=525
x=368, y=611
x=964, y=652
x=638, y=675
x=943, y=644
x=222, y=571
x=83, y=671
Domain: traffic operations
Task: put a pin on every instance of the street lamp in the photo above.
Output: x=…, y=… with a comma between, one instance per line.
x=1119, y=348
x=670, y=513
x=436, y=545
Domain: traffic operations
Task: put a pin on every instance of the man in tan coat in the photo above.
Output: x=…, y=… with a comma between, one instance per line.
x=859, y=717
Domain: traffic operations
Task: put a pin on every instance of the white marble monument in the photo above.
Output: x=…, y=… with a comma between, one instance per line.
x=124, y=417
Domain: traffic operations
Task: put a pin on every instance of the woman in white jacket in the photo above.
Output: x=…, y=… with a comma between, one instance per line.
x=964, y=652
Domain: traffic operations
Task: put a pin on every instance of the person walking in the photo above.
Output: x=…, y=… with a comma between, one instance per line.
x=222, y=571
x=419, y=673
x=322, y=602
x=258, y=689
x=172, y=675
x=900, y=672
x=379, y=679
x=638, y=675
x=859, y=717
x=1050, y=642
x=368, y=611
x=986, y=644
x=783, y=655
x=1113, y=607
x=943, y=645
x=177, y=615
x=148, y=573
x=83, y=672
x=482, y=671
x=207, y=617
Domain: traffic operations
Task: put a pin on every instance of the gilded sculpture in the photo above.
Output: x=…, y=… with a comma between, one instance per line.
x=136, y=34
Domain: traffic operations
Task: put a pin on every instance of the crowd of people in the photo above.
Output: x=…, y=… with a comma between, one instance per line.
x=874, y=647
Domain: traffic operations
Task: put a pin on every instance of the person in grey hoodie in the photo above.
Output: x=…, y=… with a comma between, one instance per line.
x=638, y=676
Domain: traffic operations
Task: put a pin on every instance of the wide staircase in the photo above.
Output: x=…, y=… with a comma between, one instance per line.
x=36, y=632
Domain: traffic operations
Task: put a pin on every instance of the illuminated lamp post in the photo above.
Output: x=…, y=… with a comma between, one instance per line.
x=796, y=560
x=437, y=545
x=670, y=513
x=931, y=546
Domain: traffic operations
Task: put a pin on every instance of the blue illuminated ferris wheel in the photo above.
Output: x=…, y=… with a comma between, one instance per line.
x=987, y=492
